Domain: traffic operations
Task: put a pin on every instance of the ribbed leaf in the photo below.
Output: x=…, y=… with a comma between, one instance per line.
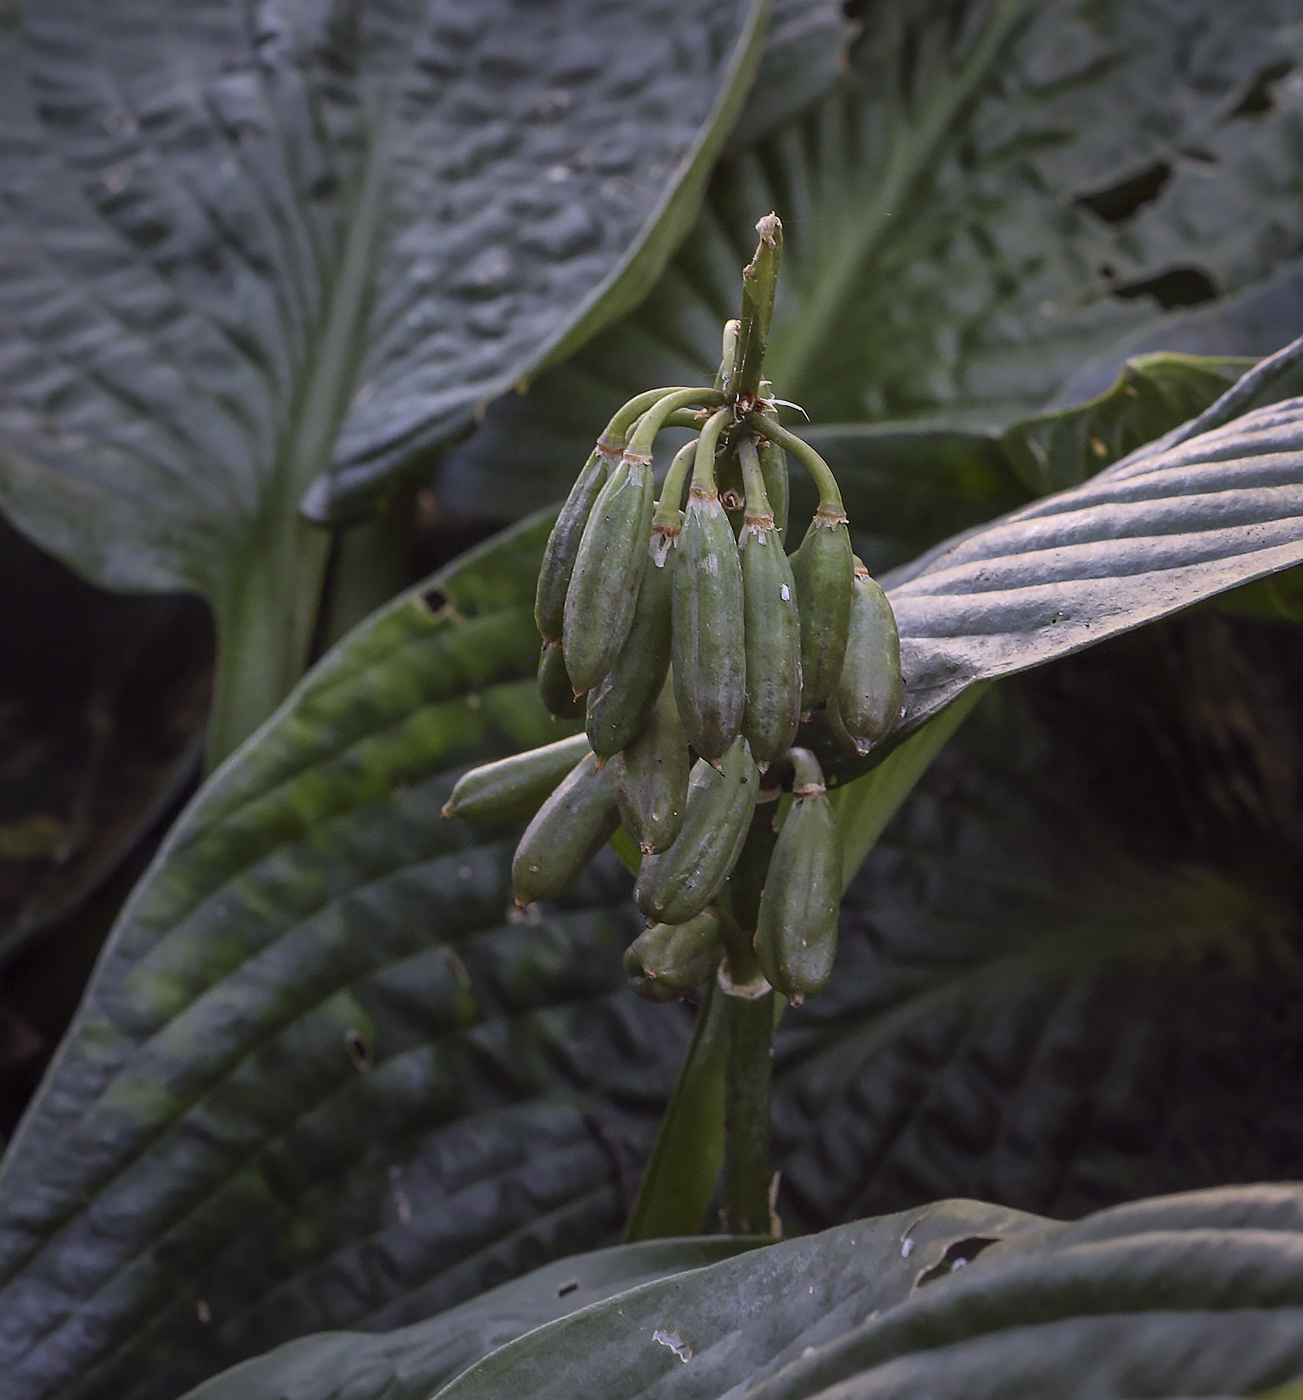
x=1196, y=1295
x=249, y=250
x=325, y=1075
x=1070, y=973
x=412, y=1362
x=706, y=1332
x=939, y=261
x=1151, y=535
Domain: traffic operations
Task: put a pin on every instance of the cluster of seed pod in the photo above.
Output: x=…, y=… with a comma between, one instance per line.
x=685, y=629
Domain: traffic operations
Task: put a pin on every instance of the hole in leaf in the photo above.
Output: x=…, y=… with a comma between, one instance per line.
x=1122, y=199
x=567, y=1289
x=1178, y=286
x=1260, y=95
x=358, y=1050
x=435, y=599
x=961, y=1253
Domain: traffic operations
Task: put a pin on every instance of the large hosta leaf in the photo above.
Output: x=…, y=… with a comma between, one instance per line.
x=325, y=1076
x=950, y=250
x=1071, y=972
x=249, y=250
x=1195, y=1295
x=412, y=1362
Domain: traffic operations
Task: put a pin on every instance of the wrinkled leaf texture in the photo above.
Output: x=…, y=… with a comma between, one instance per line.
x=252, y=250
x=1166, y=527
x=325, y=1076
x=1191, y=1295
x=412, y=1362
x=938, y=265
x=1071, y=972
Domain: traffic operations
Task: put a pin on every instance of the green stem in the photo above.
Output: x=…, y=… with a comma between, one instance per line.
x=264, y=628
x=656, y=417
x=703, y=468
x=370, y=564
x=830, y=496
x=759, y=283
x=616, y=433
x=689, y=1151
x=750, y=1022
x=668, y=516
x=911, y=161
x=758, y=511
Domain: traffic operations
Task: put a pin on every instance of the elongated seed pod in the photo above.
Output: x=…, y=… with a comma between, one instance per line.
x=708, y=645
x=555, y=686
x=677, y=885
x=608, y=569
x=513, y=789
x=864, y=706
x=824, y=570
x=568, y=830
x=563, y=545
x=667, y=961
x=796, y=931
x=620, y=705
x=772, y=625
x=651, y=777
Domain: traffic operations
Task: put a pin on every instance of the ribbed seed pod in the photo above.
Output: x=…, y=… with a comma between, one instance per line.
x=708, y=647
x=563, y=545
x=677, y=885
x=513, y=789
x=824, y=570
x=796, y=931
x=554, y=684
x=864, y=706
x=668, y=961
x=568, y=830
x=621, y=703
x=773, y=467
x=772, y=626
x=651, y=777
x=608, y=568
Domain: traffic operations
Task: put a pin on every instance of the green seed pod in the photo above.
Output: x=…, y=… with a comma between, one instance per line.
x=554, y=684
x=620, y=705
x=864, y=706
x=773, y=626
x=513, y=789
x=677, y=885
x=608, y=569
x=708, y=645
x=563, y=545
x=651, y=777
x=568, y=830
x=796, y=932
x=824, y=569
x=668, y=961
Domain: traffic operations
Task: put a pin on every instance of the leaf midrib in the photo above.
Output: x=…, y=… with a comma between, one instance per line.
x=800, y=336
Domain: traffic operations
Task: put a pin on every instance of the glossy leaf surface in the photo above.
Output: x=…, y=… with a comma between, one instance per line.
x=1143, y=539
x=1195, y=1295
x=324, y=1076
